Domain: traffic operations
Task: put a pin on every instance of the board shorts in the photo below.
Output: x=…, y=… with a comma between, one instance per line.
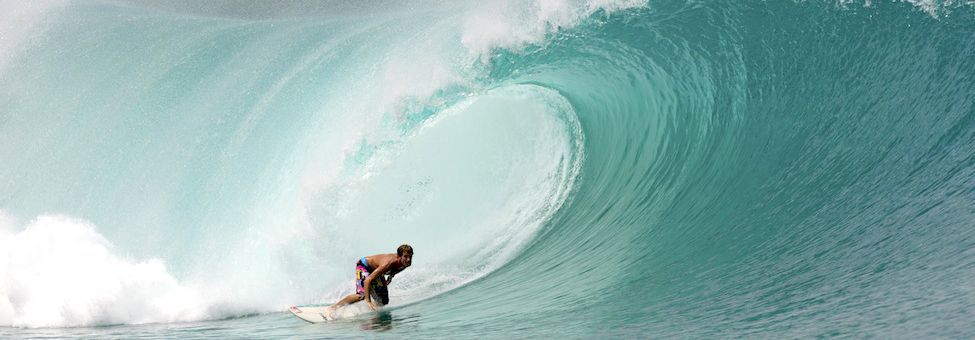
x=379, y=291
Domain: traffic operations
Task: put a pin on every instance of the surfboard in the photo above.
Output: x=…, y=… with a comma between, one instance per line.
x=313, y=314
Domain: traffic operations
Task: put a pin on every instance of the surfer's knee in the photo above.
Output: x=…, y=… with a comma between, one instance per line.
x=359, y=297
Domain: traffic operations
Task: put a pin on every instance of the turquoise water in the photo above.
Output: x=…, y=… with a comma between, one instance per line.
x=562, y=168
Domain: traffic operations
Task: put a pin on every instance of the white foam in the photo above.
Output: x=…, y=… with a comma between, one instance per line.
x=515, y=24
x=58, y=271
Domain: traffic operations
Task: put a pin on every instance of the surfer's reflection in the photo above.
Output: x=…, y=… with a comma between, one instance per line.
x=383, y=321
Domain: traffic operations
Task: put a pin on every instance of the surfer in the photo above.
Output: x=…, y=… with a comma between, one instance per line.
x=373, y=274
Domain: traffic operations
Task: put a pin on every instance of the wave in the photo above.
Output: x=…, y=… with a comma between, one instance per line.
x=593, y=167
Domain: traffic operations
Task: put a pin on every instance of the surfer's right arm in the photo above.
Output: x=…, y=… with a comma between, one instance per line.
x=376, y=274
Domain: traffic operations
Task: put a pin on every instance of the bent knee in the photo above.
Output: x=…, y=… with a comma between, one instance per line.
x=359, y=297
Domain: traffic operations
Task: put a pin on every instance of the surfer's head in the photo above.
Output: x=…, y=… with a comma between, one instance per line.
x=405, y=253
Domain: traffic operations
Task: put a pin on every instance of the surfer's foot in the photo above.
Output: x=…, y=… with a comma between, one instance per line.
x=329, y=313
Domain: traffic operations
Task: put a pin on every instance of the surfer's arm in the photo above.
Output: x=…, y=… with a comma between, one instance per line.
x=376, y=274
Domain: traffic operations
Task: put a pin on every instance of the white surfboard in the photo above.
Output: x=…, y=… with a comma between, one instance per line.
x=313, y=314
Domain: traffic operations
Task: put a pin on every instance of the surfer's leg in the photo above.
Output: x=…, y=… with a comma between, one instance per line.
x=361, y=273
x=352, y=298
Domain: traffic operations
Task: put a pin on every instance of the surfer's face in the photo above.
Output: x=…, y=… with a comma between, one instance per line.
x=406, y=259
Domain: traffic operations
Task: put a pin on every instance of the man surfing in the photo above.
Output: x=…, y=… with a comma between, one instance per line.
x=372, y=275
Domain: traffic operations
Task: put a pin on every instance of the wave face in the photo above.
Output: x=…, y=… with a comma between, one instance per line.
x=562, y=168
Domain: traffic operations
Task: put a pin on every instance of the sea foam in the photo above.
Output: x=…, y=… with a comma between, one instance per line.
x=59, y=271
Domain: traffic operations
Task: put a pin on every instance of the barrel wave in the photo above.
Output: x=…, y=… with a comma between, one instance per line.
x=562, y=168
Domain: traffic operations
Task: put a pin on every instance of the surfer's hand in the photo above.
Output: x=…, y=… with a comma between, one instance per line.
x=372, y=305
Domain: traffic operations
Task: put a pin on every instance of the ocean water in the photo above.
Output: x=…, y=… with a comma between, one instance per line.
x=563, y=168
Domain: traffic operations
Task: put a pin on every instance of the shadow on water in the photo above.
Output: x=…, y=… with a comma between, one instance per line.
x=383, y=321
